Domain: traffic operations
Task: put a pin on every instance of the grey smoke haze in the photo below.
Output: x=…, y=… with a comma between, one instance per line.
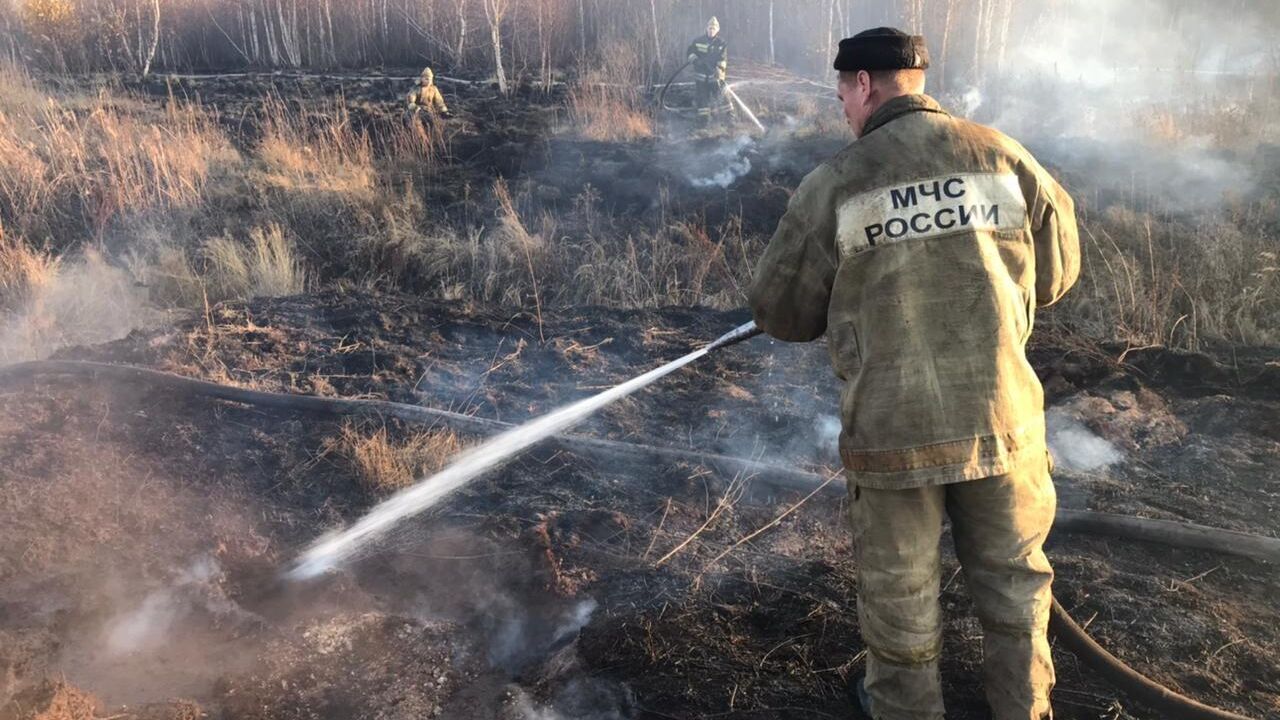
x=1100, y=89
x=85, y=300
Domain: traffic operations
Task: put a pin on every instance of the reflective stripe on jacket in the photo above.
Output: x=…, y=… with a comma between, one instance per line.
x=710, y=57
x=922, y=251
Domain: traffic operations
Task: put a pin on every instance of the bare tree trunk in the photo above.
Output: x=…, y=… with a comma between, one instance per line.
x=657, y=44
x=494, y=10
x=977, y=39
x=773, y=53
x=946, y=39
x=544, y=48
x=253, y=36
x=289, y=34
x=582, y=27
x=155, y=38
x=1006, y=21
x=461, y=6
x=333, y=45
x=831, y=31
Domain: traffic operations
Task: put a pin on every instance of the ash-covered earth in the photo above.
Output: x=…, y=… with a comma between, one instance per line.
x=143, y=531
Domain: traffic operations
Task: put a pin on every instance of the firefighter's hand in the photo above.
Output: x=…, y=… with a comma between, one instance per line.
x=693, y=57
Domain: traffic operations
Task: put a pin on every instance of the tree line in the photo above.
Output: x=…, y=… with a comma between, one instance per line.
x=509, y=40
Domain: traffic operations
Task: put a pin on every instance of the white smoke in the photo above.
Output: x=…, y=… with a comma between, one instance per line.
x=730, y=159
x=82, y=301
x=1074, y=447
x=147, y=626
x=828, y=427
x=517, y=636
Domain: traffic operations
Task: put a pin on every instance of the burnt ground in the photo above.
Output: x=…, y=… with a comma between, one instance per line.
x=142, y=532
x=528, y=139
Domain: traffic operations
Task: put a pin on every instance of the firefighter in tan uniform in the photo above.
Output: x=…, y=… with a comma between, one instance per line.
x=922, y=252
x=427, y=97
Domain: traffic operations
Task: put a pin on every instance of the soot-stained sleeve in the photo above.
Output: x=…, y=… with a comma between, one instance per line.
x=791, y=289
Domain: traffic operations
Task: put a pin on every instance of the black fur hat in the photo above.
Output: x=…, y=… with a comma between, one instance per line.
x=882, y=49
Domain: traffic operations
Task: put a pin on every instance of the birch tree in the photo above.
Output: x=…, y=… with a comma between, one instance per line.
x=155, y=38
x=494, y=12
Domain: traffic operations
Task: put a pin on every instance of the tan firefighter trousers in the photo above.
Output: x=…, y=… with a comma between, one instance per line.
x=999, y=525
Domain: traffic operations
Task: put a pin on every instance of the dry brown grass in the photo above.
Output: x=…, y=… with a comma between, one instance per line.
x=66, y=175
x=1178, y=282
x=316, y=201
x=20, y=97
x=266, y=266
x=608, y=114
x=384, y=464
x=607, y=102
x=315, y=152
x=25, y=272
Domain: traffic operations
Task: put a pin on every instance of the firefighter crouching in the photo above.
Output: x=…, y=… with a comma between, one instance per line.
x=922, y=251
x=426, y=97
x=710, y=58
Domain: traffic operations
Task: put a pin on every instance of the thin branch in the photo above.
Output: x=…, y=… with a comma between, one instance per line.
x=772, y=523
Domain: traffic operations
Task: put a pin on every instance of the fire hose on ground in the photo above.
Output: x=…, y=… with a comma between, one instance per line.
x=729, y=92
x=1168, y=702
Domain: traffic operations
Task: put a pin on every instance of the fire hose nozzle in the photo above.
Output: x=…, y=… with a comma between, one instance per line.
x=738, y=335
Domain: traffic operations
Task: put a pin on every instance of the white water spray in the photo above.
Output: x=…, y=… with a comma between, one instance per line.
x=733, y=96
x=331, y=550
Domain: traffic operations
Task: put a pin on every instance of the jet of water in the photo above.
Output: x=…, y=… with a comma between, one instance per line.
x=743, y=107
x=333, y=549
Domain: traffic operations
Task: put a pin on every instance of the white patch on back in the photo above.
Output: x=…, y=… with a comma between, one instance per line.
x=931, y=208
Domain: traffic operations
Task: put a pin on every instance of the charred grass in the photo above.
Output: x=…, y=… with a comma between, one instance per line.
x=712, y=593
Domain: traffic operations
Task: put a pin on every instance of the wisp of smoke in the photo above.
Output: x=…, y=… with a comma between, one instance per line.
x=731, y=159
x=148, y=625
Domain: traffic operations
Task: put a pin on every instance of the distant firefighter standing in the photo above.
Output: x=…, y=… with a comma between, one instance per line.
x=426, y=97
x=710, y=59
x=922, y=251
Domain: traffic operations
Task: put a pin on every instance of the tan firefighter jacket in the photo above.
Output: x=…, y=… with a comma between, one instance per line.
x=429, y=98
x=922, y=251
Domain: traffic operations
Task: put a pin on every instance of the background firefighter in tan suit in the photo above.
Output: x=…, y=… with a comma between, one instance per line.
x=426, y=97
x=922, y=251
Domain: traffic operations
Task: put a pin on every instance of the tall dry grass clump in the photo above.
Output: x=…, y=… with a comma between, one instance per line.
x=607, y=103
x=25, y=273
x=1179, y=281
x=383, y=463
x=266, y=266
x=315, y=152
x=67, y=175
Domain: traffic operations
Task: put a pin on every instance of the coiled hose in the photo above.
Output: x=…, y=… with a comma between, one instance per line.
x=1170, y=704
x=662, y=95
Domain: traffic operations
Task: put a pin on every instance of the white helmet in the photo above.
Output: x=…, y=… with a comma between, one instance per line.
x=713, y=26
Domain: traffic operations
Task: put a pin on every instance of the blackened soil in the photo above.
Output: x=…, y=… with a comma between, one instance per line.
x=563, y=582
x=526, y=138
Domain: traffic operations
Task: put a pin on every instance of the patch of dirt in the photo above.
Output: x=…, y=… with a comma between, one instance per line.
x=559, y=582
